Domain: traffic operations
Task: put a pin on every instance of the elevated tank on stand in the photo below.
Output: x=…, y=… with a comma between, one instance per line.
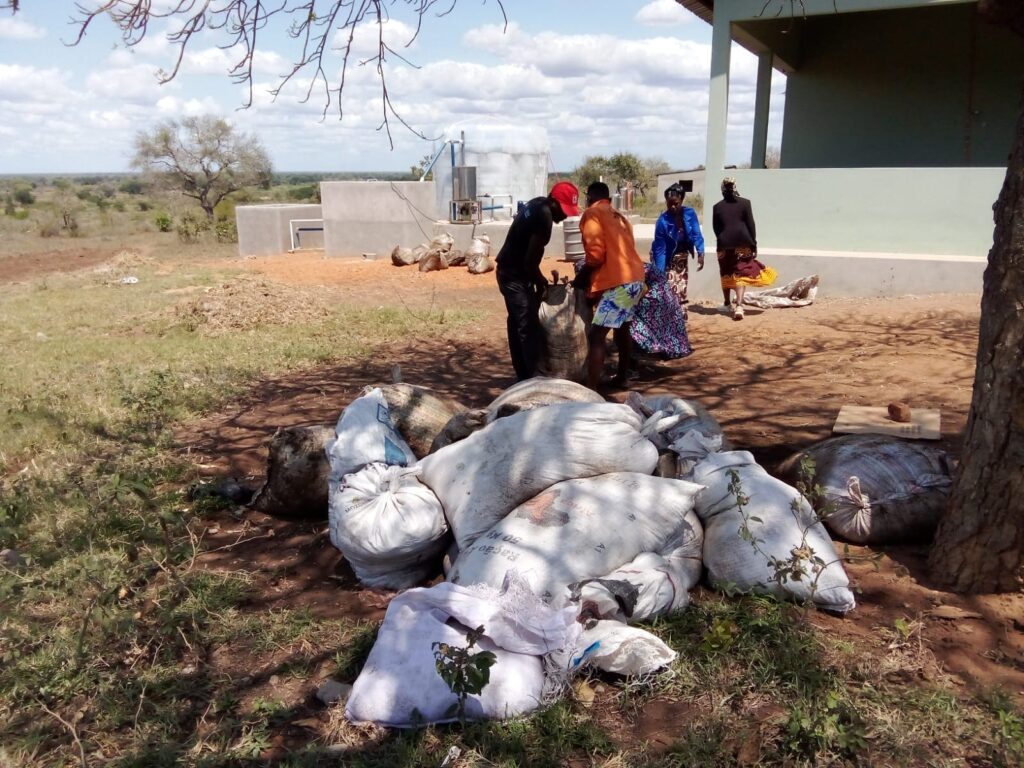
x=511, y=163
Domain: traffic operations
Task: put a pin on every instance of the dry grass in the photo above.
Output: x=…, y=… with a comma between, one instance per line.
x=244, y=304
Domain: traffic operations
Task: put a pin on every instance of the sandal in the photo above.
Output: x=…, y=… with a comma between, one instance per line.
x=737, y=313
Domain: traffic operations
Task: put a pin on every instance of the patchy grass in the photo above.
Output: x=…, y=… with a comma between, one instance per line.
x=106, y=628
x=116, y=650
x=91, y=354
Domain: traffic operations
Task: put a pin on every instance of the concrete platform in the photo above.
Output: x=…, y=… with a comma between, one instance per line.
x=850, y=273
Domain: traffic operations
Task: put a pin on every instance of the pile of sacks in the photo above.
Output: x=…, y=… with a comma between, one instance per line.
x=441, y=253
x=560, y=520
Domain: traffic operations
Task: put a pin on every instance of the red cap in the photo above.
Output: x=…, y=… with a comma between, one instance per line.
x=568, y=197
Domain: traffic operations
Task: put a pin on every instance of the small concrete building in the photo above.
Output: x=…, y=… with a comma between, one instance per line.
x=898, y=122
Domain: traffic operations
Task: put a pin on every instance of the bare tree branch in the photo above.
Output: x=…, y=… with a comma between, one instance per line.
x=314, y=24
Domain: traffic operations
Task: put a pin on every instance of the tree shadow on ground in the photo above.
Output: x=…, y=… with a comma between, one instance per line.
x=773, y=395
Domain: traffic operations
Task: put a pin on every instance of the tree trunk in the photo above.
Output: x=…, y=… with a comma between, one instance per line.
x=980, y=541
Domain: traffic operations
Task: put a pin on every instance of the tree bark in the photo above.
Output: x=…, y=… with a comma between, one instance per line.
x=979, y=544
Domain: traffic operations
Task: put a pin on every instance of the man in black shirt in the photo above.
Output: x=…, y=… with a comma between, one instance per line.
x=519, y=277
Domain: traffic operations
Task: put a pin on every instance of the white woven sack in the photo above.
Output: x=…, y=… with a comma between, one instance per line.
x=662, y=582
x=389, y=526
x=667, y=418
x=583, y=529
x=366, y=435
x=399, y=685
x=482, y=478
x=623, y=650
x=480, y=246
x=731, y=561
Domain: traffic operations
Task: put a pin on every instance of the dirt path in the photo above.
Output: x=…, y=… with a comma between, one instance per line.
x=775, y=382
x=20, y=267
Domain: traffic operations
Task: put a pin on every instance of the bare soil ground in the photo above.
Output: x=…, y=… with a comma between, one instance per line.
x=775, y=381
x=25, y=266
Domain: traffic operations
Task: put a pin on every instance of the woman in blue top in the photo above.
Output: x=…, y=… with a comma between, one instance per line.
x=677, y=237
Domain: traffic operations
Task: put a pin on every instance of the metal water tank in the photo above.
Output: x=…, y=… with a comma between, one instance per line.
x=464, y=182
x=573, y=239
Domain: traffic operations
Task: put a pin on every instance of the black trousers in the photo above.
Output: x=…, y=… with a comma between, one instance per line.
x=525, y=336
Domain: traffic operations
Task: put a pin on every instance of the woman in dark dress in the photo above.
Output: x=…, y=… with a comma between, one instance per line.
x=733, y=221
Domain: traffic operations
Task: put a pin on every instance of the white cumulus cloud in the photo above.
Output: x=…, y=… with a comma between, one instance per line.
x=662, y=13
x=16, y=29
x=366, y=41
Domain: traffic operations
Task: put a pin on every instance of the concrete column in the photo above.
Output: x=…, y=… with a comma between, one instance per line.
x=762, y=104
x=718, y=94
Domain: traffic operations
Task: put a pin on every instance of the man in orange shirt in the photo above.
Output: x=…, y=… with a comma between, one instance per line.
x=614, y=280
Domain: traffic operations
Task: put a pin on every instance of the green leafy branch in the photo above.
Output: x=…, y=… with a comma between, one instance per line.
x=464, y=671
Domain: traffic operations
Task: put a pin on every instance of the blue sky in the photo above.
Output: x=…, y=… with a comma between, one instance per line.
x=601, y=76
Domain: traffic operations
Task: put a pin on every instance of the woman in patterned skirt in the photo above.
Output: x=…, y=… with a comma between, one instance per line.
x=733, y=221
x=659, y=325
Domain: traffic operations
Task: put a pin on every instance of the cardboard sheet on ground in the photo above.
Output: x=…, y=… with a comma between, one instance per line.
x=870, y=420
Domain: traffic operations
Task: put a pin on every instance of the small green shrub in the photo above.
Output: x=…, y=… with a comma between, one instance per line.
x=24, y=196
x=226, y=231
x=305, y=192
x=145, y=205
x=191, y=227
x=164, y=222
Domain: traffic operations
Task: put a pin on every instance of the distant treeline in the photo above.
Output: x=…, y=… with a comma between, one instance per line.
x=282, y=177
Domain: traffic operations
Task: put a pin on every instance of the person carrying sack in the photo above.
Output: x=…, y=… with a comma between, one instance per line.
x=519, y=277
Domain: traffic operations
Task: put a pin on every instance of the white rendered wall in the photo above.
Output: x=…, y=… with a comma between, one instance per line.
x=375, y=216
x=946, y=211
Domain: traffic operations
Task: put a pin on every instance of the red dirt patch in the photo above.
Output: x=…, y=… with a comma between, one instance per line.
x=19, y=267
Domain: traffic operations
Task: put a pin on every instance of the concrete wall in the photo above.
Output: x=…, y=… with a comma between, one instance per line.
x=918, y=87
x=263, y=230
x=665, y=180
x=375, y=216
x=890, y=210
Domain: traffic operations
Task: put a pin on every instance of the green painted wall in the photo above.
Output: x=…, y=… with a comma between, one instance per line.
x=918, y=87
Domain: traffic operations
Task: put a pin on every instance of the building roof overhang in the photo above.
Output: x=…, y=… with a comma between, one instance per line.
x=703, y=9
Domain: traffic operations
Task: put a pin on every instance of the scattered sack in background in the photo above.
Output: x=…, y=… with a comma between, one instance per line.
x=403, y=257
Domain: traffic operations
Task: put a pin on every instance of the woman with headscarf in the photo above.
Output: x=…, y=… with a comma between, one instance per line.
x=733, y=222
